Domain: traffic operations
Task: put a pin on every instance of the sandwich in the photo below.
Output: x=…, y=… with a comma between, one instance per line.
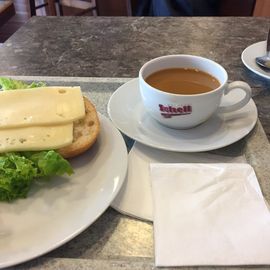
x=40, y=129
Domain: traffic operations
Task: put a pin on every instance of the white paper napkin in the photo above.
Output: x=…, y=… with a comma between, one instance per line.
x=209, y=214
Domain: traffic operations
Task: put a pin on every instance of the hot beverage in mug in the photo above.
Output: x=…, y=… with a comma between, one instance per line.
x=184, y=81
x=183, y=91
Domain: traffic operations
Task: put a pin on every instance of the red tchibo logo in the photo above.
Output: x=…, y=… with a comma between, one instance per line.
x=169, y=111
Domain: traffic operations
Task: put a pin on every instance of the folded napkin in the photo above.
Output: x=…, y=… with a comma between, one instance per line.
x=209, y=214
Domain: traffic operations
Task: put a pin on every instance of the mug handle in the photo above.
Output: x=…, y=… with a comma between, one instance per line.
x=231, y=87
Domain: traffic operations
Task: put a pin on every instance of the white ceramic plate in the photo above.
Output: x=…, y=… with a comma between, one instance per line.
x=126, y=110
x=64, y=207
x=248, y=57
x=135, y=197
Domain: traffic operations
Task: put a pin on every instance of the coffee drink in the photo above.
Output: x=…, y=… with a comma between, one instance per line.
x=184, y=81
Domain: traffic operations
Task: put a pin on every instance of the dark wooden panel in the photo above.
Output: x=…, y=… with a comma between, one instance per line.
x=236, y=7
x=113, y=7
x=133, y=5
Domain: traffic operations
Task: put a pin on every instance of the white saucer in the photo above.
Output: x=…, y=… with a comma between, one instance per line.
x=135, y=196
x=126, y=111
x=250, y=53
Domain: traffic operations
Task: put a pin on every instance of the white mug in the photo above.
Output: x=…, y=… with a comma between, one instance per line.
x=186, y=111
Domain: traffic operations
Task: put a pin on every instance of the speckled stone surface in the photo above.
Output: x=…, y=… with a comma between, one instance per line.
x=119, y=242
x=118, y=46
x=86, y=264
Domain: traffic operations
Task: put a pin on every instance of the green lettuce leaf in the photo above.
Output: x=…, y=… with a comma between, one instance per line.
x=19, y=170
x=49, y=163
x=16, y=176
x=10, y=84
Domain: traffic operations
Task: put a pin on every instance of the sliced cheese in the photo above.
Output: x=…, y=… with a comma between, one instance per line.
x=40, y=106
x=36, y=138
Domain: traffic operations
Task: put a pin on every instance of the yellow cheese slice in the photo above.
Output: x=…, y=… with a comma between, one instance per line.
x=41, y=106
x=35, y=138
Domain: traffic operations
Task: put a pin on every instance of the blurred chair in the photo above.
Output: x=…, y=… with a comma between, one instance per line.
x=80, y=7
x=50, y=4
x=64, y=7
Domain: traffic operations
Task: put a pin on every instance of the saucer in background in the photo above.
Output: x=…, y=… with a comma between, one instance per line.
x=248, y=57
